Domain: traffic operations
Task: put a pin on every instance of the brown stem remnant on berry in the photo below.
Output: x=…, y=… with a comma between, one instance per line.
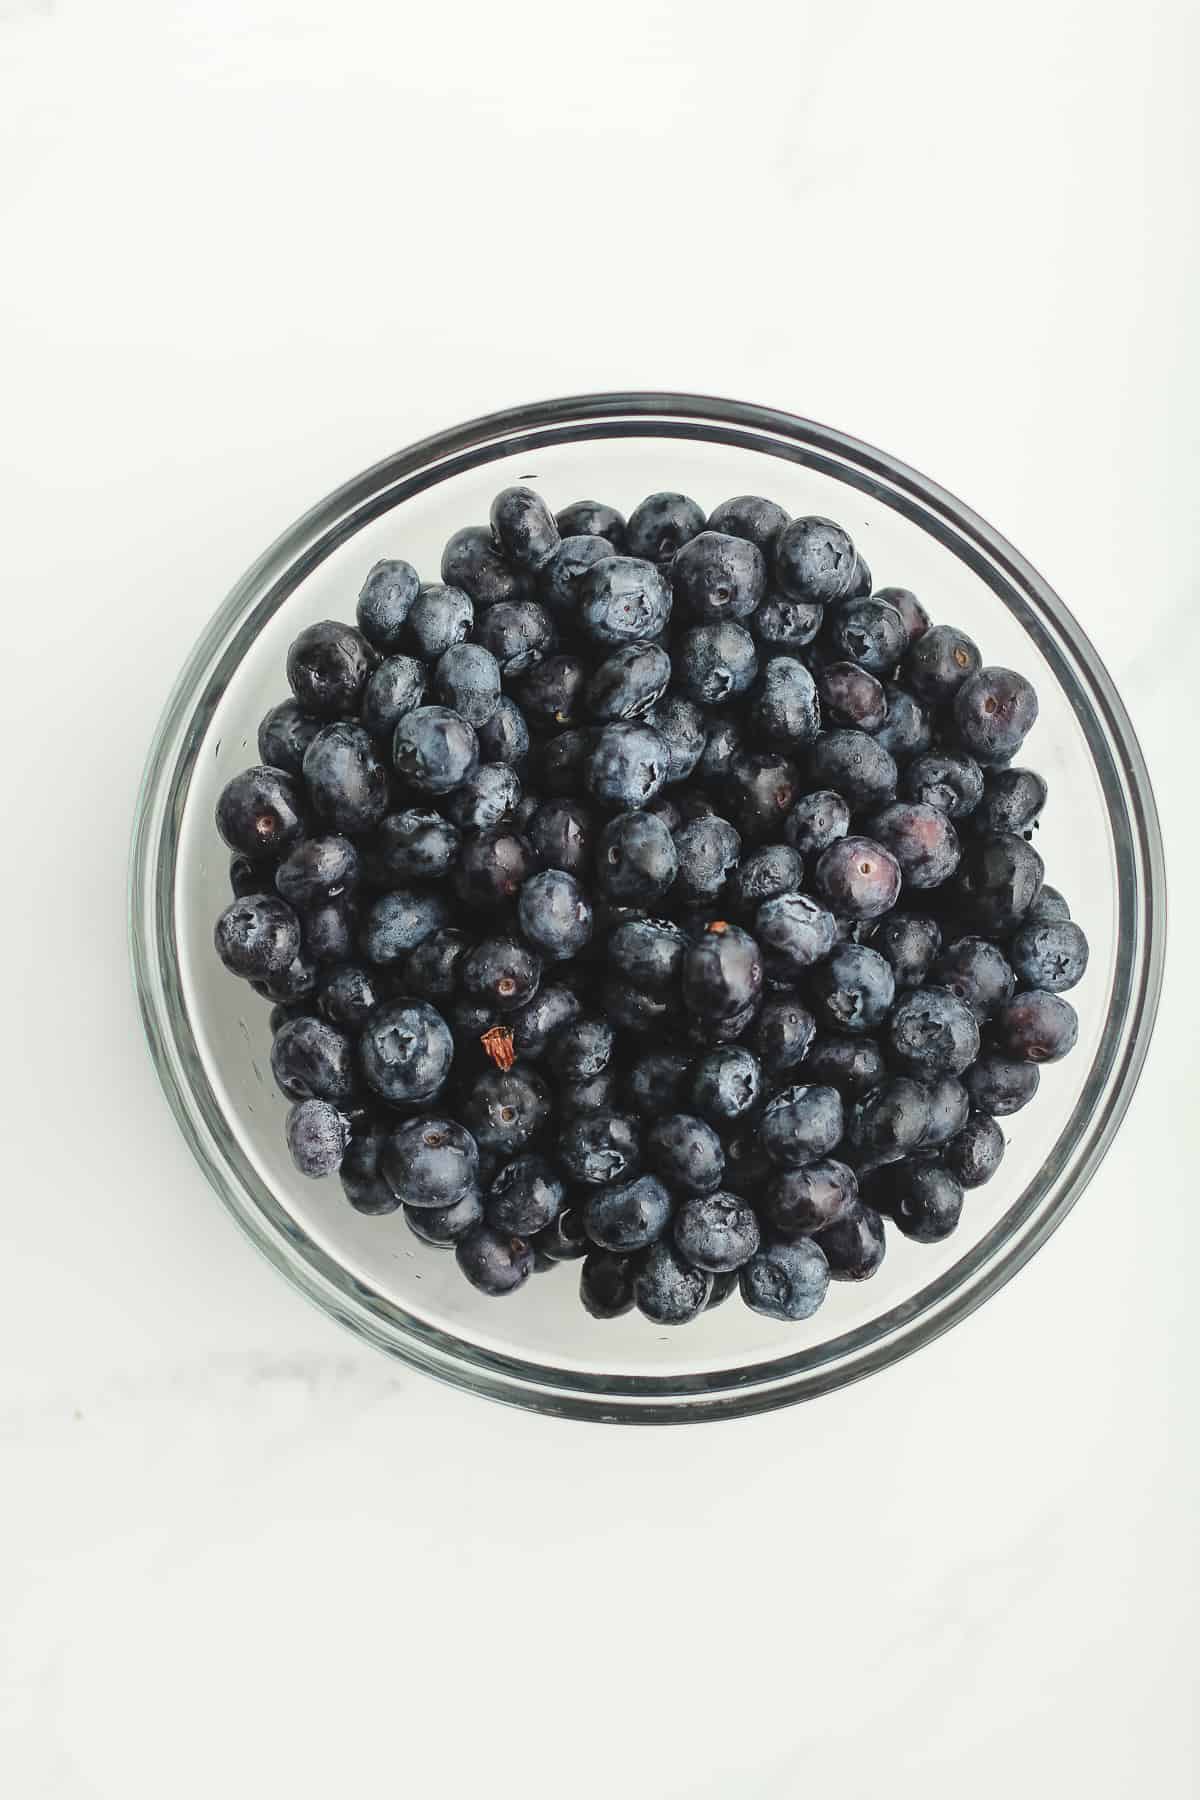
x=498, y=1043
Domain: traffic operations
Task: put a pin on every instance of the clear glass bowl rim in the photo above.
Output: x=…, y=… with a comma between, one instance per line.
x=1139, y=870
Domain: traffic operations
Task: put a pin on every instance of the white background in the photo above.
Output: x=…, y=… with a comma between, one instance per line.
x=250, y=248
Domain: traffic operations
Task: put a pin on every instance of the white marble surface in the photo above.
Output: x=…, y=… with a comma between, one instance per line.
x=251, y=248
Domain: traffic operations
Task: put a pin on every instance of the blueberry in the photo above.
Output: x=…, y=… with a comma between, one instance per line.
x=319, y=868
x=978, y=972
x=505, y=737
x=723, y=1288
x=467, y=681
x=592, y=1094
x=312, y=1060
x=998, y=881
x=725, y=1085
x=661, y=525
x=346, y=781
x=794, y=933
x=994, y=711
x=667, y=1290
x=763, y=875
x=551, y=693
x=628, y=765
x=855, y=1244
x=295, y=982
x=555, y=914
x=801, y=1123
x=851, y=696
x=682, y=725
x=629, y=682
x=413, y=845
x=922, y=840
x=636, y=859
x=869, y=633
x=518, y=633
x=284, y=736
x=714, y=664
x=933, y=1032
x=327, y=669
x=816, y=821
x=393, y=689
x=814, y=560
x=854, y=765
x=747, y=1167
x=925, y=1201
x=383, y=604
x=938, y=662
x=438, y=618
x=606, y=1284
x=562, y=833
x=524, y=528
x=719, y=577
x=787, y=625
x=1048, y=907
x=627, y=1215
x=854, y=1065
x=317, y=1135
x=999, y=1086
x=725, y=1030
x=1012, y=800
x=443, y=1226
x=592, y=518
x=600, y=1149
x=398, y=921
x=647, y=953
x=686, y=1153
x=562, y=760
x=406, y=1051
x=506, y=1108
x=257, y=936
x=1052, y=957
x=656, y=1082
x=858, y=877
x=493, y=1263
x=890, y=1121
x=490, y=794
x=525, y=1197
x=951, y=782
x=472, y=563
x=434, y=749
x=525, y=809
x=534, y=1024
x=786, y=1280
x=363, y=1182
x=501, y=973
x=784, y=712
x=492, y=866
x=1036, y=1026
x=430, y=1162
x=716, y=1232
x=346, y=994
x=707, y=850
x=751, y=517
x=722, y=971
x=910, y=941
x=329, y=930
x=862, y=581
x=583, y=1048
x=916, y=619
x=781, y=1034
x=564, y=1239
x=801, y=1200
x=432, y=970
x=722, y=743
x=260, y=812
x=977, y=1152
x=948, y=1110
x=623, y=601
x=905, y=731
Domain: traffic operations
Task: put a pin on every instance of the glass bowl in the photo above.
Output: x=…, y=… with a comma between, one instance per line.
x=209, y=1036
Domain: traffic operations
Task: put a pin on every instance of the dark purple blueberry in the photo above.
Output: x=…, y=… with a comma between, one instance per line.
x=916, y=619
x=851, y=696
x=555, y=915
x=722, y=744
x=999, y=1086
x=858, y=878
x=686, y=1153
x=784, y=712
x=725, y=1084
x=564, y=1239
x=977, y=1152
x=666, y=1289
x=683, y=726
x=716, y=1232
x=346, y=993
x=922, y=840
x=430, y=1161
x=295, y=982
x=647, y=953
x=890, y=1122
x=260, y=812
x=346, y=781
x=635, y=1010
x=500, y=972
x=312, y=1060
x=438, y=618
x=978, y=972
x=488, y=796
x=246, y=877
x=725, y=1030
x=855, y=1244
x=998, y=881
x=661, y=525
x=431, y=972
x=763, y=875
x=854, y=765
x=257, y=936
x=751, y=517
x=393, y=689
x=627, y=766
x=800, y=1124
x=807, y=1199
x=398, y=921
x=443, y=1226
x=867, y=632
x=472, y=563
x=722, y=971
x=623, y=600
x=863, y=581
x=938, y=662
x=714, y=664
x=363, y=1181
x=317, y=1135
x=505, y=737
x=562, y=833
x=285, y=734
x=723, y=1288
x=534, y=1024
x=910, y=942
x=905, y=730
x=1048, y=907
x=794, y=934
x=1012, y=801
x=434, y=749
x=383, y=604
x=932, y=1032
x=628, y=683
x=781, y=1035
x=924, y=1200
x=656, y=1082
x=814, y=560
x=783, y=626
x=319, y=868
x=1052, y=957
x=593, y=1094
x=948, y=1110
x=719, y=576
x=707, y=849
x=327, y=669
x=506, y=1108
x=636, y=859
x=466, y=680
x=627, y=1215
x=524, y=528
x=606, y=1284
x=592, y=518
x=525, y=1196
x=786, y=1280
x=329, y=930
x=518, y=633
x=747, y=1167
x=816, y=821
x=758, y=794
x=600, y=1149
x=854, y=1065
x=583, y=1048
x=1036, y=1026
x=406, y=1051
x=994, y=712
x=493, y=1263
x=551, y=693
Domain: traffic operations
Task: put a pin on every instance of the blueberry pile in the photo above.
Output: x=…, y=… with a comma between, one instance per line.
x=653, y=893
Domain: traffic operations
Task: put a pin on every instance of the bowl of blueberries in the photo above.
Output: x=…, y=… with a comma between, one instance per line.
x=645, y=907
